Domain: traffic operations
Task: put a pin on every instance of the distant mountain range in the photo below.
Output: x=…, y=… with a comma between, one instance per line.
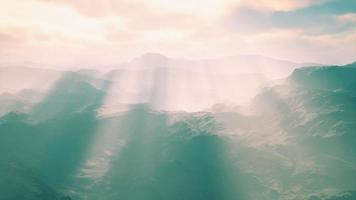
x=165, y=83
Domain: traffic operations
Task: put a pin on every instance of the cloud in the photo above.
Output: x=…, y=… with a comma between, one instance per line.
x=347, y=18
x=17, y=37
x=108, y=31
x=313, y=19
x=138, y=14
x=277, y=5
x=8, y=38
x=95, y=8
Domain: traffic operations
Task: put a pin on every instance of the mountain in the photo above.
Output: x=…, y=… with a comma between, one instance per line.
x=169, y=84
x=326, y=77
x=15, y=79
x=303, y=132
x=95, y=135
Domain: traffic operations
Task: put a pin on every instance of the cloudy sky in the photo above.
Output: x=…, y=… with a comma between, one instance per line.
x=100, y=32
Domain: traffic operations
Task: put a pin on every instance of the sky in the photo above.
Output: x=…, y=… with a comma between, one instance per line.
x=104, y=32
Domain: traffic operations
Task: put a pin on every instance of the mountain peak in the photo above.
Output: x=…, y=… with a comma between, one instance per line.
x=151, y=59
x=156, y=56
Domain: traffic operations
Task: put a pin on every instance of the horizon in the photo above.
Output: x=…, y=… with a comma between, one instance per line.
x=113, y=66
